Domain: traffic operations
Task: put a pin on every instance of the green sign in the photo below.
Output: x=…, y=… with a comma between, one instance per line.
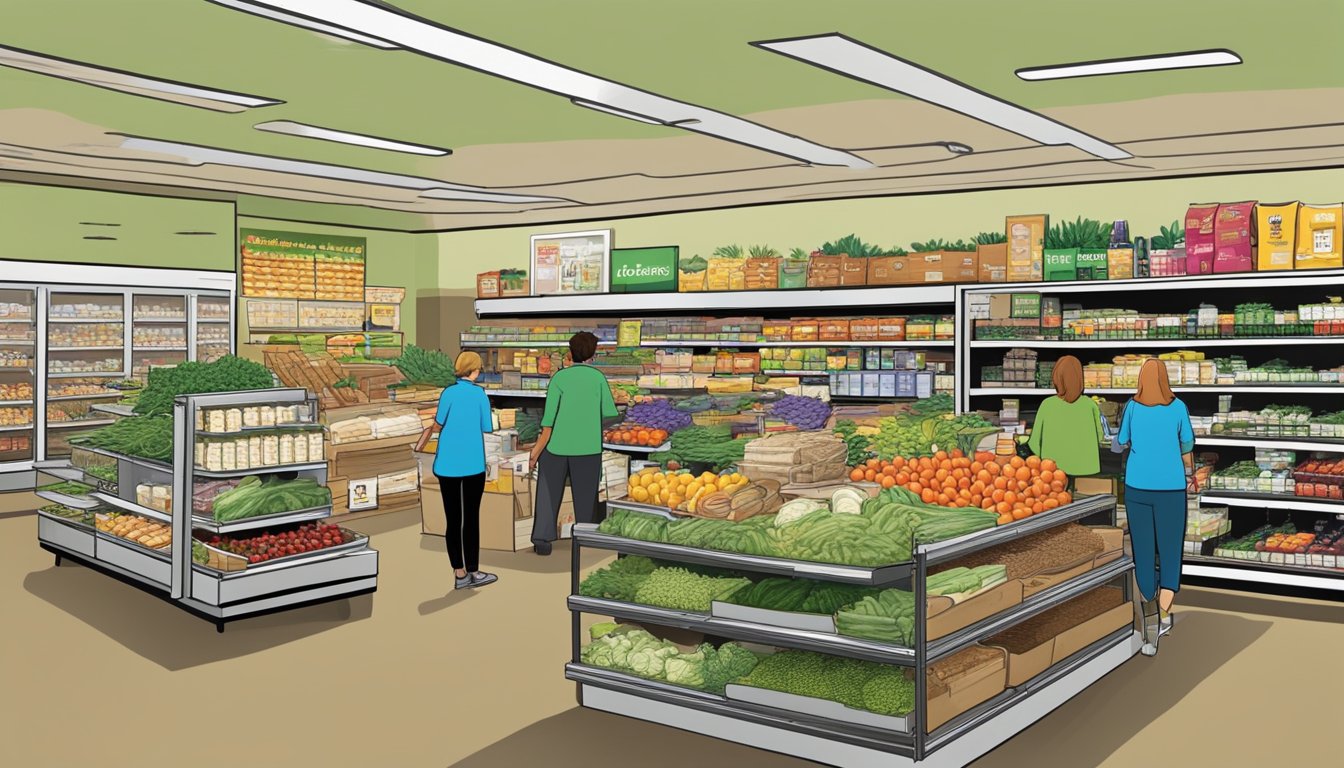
x=644, y=270
x=1026, y=306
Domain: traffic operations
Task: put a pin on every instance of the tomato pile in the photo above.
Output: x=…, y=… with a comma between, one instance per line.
x=633, y=434
x=309, y=537
x=1012, y=488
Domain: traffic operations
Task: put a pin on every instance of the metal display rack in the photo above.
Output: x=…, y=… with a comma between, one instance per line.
x=333, y=573
x=1177, y=295
x=851, y=742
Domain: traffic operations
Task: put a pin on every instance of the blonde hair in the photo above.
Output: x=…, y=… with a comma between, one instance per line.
x=1154, y=386
x=1068, y=378
x=466, y=363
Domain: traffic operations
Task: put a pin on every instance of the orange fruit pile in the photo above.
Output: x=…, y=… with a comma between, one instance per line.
x=1011, y=488
x=633, y=434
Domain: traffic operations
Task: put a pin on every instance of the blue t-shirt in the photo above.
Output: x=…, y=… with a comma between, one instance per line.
x=464, y=418
x=1157, y=436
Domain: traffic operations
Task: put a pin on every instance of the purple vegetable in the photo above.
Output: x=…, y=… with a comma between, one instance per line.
x=658, y=414
x=807, y=413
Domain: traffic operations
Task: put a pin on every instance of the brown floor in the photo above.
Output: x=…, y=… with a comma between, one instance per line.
x=93, y=672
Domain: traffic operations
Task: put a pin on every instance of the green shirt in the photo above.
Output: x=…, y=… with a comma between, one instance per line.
x=577, y=401
x=1069, y=434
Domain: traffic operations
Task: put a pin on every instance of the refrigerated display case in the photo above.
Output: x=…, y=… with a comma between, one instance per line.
x=18, y=374
x=163, y=525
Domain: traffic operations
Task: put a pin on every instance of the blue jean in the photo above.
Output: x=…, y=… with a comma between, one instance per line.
x=1157, y=531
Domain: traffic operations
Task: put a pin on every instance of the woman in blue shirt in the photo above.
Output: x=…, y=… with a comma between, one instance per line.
x=459, y=463
x=1159, y=472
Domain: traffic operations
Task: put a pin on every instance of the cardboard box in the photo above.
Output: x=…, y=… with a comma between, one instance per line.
x=948, y=699
x=1120, y=262
x=1096, y=486
x=1277, y=226
x=1074, y=640
x=992, y=262
x=1320, y=237
x=1022, y=667
x=1061, y=264
x=892, y=270
x=945, y=617
x=1026, y=247
x=487, y=285
x=944, y=266
x=824, y=271
x=501, y=529
x=1000, y=306
x=853, y=270
x=1091, y=264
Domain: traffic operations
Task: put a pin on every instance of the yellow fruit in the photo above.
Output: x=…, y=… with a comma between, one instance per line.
x=736, y=477
x=639, y=494
x=694, y=488
x=674, y=501
x=660, y=477
x=709, y=477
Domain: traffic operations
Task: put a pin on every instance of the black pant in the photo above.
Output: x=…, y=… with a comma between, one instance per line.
x=583, y=472
x=462, y=507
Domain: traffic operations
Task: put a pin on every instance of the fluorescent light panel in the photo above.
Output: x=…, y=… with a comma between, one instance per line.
x=449, y=45
x=1189, y=60
x=845, y=56
x=128, y=82
x=197, y=155
x=290, y=128
x=299, y=21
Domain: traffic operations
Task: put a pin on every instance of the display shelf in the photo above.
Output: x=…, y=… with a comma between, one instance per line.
x=74, y=502
x=829, y=738
x=88, y=375
x=524, y=344
x=619, y=448
x=536, y=393
x=15, y=402
x=17, y=428
x=936, y=343
x=1272, y=501
x=122, y=411
x=99, y=396
x=1263, y=573
x=228, y=473
x=87, y=321
x=822, y=642
x=161, y=320
x=952, y=549
x=200, y=320
x=253, y=523
x=157, y=466
x=1152, y=343
x=61, y=468
x=117, y=348
x=710, y=302
x=1229, y=389
x=587, y=535
x=113, y=500
x=79, y=423
x=159, y=349
x=1288, y=444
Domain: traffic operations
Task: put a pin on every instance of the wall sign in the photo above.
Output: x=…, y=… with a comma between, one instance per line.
x=644, y=270
x=293, y=265
x=570, y=263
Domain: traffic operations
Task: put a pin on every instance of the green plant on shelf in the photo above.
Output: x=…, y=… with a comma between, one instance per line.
x=1080, y=233
x=728, y=252
x=762, y=252
x=1170, y=238
x=989, y=238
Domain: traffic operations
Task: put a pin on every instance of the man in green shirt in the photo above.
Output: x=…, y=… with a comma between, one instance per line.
x=578, y=401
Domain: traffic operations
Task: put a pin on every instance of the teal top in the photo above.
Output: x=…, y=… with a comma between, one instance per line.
x=1157, y=436
x=464, y=418
x=1068, y=434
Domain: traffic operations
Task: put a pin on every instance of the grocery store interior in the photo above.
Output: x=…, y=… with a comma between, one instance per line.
x=887, y=304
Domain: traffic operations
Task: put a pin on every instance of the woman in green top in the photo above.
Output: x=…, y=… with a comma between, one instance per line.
x=1068, y=426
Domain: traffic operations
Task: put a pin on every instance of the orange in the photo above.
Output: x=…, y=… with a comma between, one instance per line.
x=940, y=456
x=1005, y=519
x=889, y=471
x=956, y=453
x=1010, y=497
x=1001, y=483
x=1016, y=462
x=1048, y=465
x=1023, y=474
x=915, y=488
x=1065, y=498
x=1003, y=507
x=940, y=475
x=987, y=503
x=1021, y=514
x=976, y=467
x=998, y=495
x=1050, y=503
x=888, y=481
x=943, y=499
x=993, y=468
x=984, y=457
x=1037, y=508
x=928, y=496
x=977, y=487
x=1047, y=476
x=898, y=462
x=870, y=475
x=964, y=483
x=1034, y=462
x=856, y=475
x=874, y=463
x=902, y=478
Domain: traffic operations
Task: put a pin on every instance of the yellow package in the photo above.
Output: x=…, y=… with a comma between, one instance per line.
x=1277, y=227
x=1319, y=237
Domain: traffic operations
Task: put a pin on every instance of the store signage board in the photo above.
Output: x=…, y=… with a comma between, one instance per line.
x=295, y=265
x=644, y=270
x=1026, y=306
x=571, y=263
x=363, y=494
x=383, y=308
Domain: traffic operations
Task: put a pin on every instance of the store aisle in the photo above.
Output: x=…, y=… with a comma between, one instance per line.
x=417, y=676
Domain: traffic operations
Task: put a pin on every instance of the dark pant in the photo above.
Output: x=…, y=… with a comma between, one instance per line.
x=583, y=472
x=462, y=507
x=1157, y=531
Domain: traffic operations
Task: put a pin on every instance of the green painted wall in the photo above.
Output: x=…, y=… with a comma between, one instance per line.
x=43, y=224
x=890, y=221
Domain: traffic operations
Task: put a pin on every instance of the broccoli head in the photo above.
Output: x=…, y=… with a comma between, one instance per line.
x=889, y=693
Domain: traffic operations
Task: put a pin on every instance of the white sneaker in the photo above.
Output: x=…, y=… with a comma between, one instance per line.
x=1165, y=623
x=1148, y=649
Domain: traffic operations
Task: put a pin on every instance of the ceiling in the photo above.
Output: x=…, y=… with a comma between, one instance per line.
x=1282, y=108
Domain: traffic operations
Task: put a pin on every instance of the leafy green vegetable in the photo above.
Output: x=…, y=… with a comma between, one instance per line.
x=762, y=252
x=227, y=374
x=149, y=437
x=798, y=254
x=728, y=252
x=635, y=651
x=889, y=694
x=693, y=264
x=989, y=238
x=254, y=497
x=804, y=673
x=938, y=244
x=1081, y=233
x=682, y=590
x=1170, y=238
x=429, y=367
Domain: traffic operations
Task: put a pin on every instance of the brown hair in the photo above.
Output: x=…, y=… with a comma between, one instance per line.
x=1154, y=386
x=1068, y=378
x=582, y=347
x=465, y=363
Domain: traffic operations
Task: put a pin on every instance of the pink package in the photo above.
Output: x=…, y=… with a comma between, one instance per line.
x=1234, y=237
x=1199, y=238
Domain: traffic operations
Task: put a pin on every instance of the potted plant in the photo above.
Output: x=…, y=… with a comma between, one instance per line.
x=761, y=269
x=691, y=274
x=725, y=269
x=1067, y=243
x=1166, y=253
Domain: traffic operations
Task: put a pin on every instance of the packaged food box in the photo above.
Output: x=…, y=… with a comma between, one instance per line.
x=1234, y=237
x=1026, y=247
x=1276, y=229
x=1200, y=241
x=992, y=263
x=487, y=285
x=1319, y=237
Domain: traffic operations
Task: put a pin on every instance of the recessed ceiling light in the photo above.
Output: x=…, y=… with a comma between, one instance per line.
x=291, y=128
x=416, y=34
x=299, y=21
x=845, y=56
x=129, y=82
x=959, y=149
x=1188, y=60
x=192, y=154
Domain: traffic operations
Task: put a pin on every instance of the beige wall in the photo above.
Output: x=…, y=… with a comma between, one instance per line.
x=1147, y=205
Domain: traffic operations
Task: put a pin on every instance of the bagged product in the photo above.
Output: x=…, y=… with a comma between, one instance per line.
x=1234, y=237
x=1319, y=237
x=1026, y=247
x=1120, y=262
x=793, y=273
x=1276, y=227
x=1200, y=242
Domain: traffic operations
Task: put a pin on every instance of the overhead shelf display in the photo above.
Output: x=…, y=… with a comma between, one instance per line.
x=1256, y=358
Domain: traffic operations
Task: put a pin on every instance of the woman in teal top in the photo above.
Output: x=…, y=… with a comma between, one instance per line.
x=459, y=463
x=1160, y=470
x=1067, y=429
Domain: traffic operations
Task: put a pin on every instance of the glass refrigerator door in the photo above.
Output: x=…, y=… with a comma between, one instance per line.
x=86, y=360
x=158, y=333
x=213, y=328
x=18, y=358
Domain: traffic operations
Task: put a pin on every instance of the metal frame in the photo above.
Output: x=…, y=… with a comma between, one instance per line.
x=721, y=301
x=971, y=734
